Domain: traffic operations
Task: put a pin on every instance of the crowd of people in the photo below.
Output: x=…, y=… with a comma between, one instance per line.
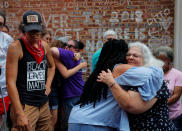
x=42, y=89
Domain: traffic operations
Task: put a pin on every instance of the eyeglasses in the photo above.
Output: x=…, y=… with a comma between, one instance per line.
x=69, y=46
x=133, y=55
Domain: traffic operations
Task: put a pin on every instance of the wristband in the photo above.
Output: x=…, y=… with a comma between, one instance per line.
x=112, y=84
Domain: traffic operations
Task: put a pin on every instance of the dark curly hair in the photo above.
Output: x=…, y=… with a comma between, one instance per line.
x=4, y=16
x=79, y=44
x=113, y=52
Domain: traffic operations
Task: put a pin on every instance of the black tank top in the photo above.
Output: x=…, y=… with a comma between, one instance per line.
x=31, y=79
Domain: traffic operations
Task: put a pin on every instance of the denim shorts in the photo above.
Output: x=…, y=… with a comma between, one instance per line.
x=55, y=107
x=178, y=123
x=53, y=101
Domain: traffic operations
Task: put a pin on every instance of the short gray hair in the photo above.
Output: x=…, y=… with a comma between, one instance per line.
x=64, y=39
x=148, y=58
x=166, y=50
x=109, y=32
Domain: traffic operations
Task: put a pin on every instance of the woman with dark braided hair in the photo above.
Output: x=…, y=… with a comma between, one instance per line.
x=114, y=52
x=98, y=110
x=139, y=91
x=146, y=104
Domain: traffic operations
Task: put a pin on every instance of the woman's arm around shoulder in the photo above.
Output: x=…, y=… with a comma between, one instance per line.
x=66, y=73
x=128, y=100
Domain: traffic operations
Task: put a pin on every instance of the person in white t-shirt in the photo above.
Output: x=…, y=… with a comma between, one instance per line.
x=5, y=40
x=173, y=79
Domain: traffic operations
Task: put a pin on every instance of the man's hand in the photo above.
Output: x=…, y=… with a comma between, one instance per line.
x=22, y=123
x=77, y=56
x=83, y=64
x=48, y=90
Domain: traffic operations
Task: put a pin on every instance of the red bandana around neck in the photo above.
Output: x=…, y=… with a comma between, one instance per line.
x=37, y=53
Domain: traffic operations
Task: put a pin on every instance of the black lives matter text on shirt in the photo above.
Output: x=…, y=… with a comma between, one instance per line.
x=36, y=75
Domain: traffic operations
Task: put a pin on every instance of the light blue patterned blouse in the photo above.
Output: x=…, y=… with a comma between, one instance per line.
x=149, y=79
x=107, y=112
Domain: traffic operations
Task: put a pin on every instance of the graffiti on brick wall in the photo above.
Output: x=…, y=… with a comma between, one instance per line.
x=63, y=23
x=4, y=4
x=160, y=24
x=59, y=23
x=160, y=21
x=149, y=21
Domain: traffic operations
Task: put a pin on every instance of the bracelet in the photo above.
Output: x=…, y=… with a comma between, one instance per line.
x=112, y=84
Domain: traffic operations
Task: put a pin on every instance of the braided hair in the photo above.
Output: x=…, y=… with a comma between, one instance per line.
x=113, y=52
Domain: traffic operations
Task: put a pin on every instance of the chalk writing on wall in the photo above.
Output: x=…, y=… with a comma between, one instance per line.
x=149, y=21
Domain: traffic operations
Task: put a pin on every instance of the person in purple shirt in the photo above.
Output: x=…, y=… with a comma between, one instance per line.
x=73, y=83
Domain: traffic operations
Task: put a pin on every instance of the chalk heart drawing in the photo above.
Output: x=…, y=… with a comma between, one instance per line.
x=162, y=20
x=166, y=23
x=139, y=14
x=152, y=28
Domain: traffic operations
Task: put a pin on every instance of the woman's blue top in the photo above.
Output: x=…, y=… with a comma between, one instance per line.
x=107, y=111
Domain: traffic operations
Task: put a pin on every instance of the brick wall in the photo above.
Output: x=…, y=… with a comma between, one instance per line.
x=149, y=21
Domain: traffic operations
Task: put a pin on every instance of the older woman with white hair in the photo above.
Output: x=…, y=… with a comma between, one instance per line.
x=173, y=79
x=138, y=88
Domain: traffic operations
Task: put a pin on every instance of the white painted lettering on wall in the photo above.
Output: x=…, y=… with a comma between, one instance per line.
x=4, y=4
x=57, y=20
x=87, y=20
x=139, y=14
x=114, y=17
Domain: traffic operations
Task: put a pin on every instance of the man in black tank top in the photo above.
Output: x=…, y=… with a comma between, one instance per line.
x=30, y=70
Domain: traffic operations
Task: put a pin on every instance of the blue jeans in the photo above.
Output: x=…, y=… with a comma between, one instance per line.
x=68, y=104
x=85, y=127
x=178, y=123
